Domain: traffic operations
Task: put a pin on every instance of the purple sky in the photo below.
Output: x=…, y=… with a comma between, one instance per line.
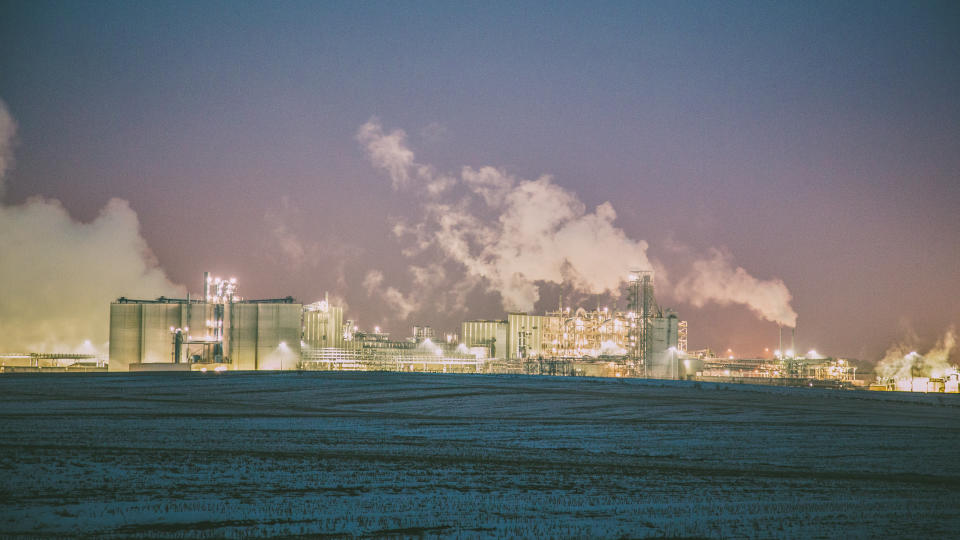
x=814, y=143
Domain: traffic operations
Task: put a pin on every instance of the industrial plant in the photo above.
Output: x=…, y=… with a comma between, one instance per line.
x=219, y=330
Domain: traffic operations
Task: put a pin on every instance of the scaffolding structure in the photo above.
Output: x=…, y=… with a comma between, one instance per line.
x=376, y=352
x=682, y=336
x=643, y=308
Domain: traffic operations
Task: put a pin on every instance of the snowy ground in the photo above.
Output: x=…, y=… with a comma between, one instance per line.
x=387, y=454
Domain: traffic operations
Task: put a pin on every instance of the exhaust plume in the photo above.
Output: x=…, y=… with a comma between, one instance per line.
x=900, y=362
x=393, y=298
x=514, y=234
x=510, y=232
x=716, y=280
x=58, y=276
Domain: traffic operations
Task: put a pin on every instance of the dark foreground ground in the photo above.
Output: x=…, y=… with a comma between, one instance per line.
x=385, y=454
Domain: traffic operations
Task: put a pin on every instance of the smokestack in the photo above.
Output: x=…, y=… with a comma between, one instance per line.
x=206, y=286
x=780, y=326
x=793, y=341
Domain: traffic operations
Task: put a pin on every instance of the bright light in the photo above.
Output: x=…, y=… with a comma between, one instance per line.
x=203, y=370
x=376, y=329
x=171, y=329
x=790, y=352
x=233, y=280
x=283, y=344
x=220, y=369
x=812, y=353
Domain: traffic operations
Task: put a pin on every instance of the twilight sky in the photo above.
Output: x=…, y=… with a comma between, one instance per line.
x=745, y=150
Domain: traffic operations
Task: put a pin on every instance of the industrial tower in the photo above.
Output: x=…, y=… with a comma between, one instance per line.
x=643, y=309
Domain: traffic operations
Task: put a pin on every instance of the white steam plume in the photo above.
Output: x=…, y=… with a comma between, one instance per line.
x=294, y=250
x=8, y=130
x=716, y=280
x=58, y=276
x=387, y=151
x=513, y=234
x=397, y=301
x=900, y=362
x=510, y=232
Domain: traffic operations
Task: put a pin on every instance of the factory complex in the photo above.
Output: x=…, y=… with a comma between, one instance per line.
x=222, y=331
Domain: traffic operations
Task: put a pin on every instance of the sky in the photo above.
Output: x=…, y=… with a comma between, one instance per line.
x=428, y=163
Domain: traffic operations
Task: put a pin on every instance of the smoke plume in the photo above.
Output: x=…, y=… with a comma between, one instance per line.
x=509, y=231
x=715, y=279
x=58, y=276
x=514, y=234
x=392, y=297
x=8, y=130
x=290, y=246
x=900, y=362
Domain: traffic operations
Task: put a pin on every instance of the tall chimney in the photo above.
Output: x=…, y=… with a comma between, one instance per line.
x=793, y=341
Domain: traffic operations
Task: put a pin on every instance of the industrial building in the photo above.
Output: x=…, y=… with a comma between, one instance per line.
x=811, y=370
x=645, y=339
x=47, y=362
x=322, y=326
x=218, y=331
x=486, y=335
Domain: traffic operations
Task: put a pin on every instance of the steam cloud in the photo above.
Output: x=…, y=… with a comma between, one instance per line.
x=403, y=306
x=534, y=229
x=716, y=280
x=512, y=234
x=900, y=362
x=58, y=276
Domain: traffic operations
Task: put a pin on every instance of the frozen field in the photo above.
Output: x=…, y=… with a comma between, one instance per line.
x=386, y=454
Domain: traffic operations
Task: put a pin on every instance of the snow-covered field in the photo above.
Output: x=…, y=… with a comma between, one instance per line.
x=388, y=454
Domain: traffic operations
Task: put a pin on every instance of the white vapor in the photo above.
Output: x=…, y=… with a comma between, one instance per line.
x=58, y=276
x=900, y=362
x=388, y=151
x=716, y=280
x=288, y=243
x=8, y=130
x=400, y=304
x=510, y=232
x=513, y=234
